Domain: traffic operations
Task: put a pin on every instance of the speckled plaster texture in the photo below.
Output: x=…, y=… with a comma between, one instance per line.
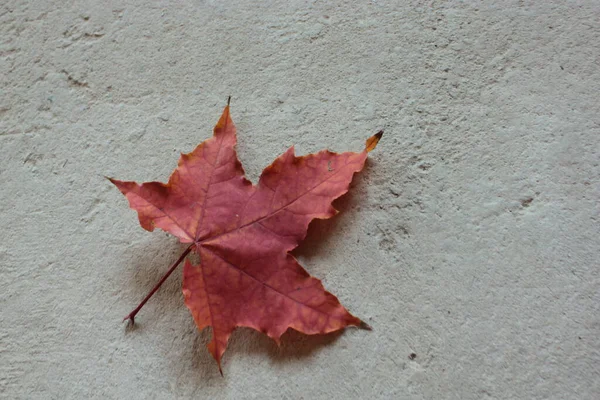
x=470, y=240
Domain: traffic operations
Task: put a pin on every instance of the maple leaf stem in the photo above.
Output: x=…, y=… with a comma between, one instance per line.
x=131, y=315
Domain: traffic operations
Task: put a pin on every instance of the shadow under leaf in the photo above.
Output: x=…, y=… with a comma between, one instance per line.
x=294, y=346
x=144, y=266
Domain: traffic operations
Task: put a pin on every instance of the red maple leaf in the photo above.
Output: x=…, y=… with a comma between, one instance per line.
x=243, y=234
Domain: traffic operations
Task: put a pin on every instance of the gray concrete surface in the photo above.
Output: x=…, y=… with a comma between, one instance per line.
x=470, y=240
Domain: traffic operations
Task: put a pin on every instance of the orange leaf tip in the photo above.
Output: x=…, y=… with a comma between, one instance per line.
x=371, y=142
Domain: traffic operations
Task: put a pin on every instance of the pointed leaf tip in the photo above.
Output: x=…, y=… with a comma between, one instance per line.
x=113, y=181
x=225, y=119
x=371, y=142
x=365, y=326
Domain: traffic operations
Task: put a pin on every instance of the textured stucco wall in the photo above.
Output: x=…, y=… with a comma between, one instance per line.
x=471, y=238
